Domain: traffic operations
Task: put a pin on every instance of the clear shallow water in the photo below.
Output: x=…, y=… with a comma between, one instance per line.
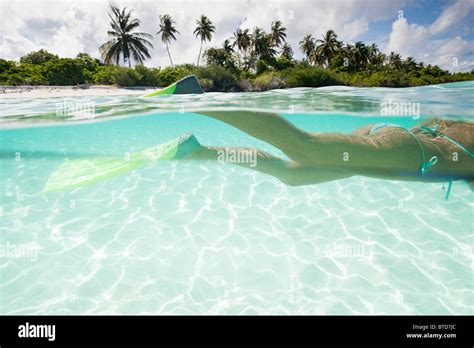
x=183, y=237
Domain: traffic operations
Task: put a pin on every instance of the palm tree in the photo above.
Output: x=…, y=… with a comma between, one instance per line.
x=257, y=40
x=409, y=64
x=125, y=41
x=376, y=58
x=360, y=55
x=263, y=47
x=395, y=61
x=168, y=32
x=327, y=47
x=250, y=61
x=374, y=52
x=382, y=58
x=348, y=53
x=287, y=51
x=316, y=58
x=277, y=33
x=204, y=30
x=242, y=40
x=307, y=45
x=227, y=46
x=266, y=48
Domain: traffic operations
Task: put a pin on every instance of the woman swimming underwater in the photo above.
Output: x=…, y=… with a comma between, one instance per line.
x=436, y=151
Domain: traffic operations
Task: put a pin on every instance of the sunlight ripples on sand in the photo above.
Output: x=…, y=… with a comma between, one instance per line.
x=189, y=238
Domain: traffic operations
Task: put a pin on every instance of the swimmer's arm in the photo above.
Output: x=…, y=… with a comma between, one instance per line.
x=394, y=151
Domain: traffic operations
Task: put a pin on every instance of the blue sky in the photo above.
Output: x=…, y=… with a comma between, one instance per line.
x=422, y=12
x=437, y=32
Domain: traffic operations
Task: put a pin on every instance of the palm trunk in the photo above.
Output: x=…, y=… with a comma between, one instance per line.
x=169, y=55
x=242, y=61
x=199, y=56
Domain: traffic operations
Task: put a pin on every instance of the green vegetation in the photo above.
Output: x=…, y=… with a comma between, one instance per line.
x=221, y=73
x=247, y=61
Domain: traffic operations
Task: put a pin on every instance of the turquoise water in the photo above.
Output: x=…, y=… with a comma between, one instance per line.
x=199, y=237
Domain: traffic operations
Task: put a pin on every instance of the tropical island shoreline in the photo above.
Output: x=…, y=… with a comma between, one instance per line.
x=45, y=91
x=248, y=61
x=42, y=69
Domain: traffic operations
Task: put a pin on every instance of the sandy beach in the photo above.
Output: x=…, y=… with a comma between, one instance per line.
x=69, y=91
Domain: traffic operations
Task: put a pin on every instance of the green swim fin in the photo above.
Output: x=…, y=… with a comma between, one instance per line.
x=187, y=85
x=81, y=172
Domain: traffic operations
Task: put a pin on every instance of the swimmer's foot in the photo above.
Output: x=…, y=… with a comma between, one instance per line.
x=176, y=148
x=86, y=171
x=187, y=143
x=471, y=184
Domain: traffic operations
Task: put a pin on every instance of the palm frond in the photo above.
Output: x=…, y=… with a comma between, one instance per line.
x=125, y=43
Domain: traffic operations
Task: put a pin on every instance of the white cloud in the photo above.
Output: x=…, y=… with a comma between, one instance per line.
x=452, y=15
x=406, y=38
x=63, y=27
x=349, y=19
x=452, y=52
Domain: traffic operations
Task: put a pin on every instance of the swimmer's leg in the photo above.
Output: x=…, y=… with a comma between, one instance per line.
x=266, y=126
x=289, y=172
x=382, y=156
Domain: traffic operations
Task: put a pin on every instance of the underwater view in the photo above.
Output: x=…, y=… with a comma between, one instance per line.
x=98, y=218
